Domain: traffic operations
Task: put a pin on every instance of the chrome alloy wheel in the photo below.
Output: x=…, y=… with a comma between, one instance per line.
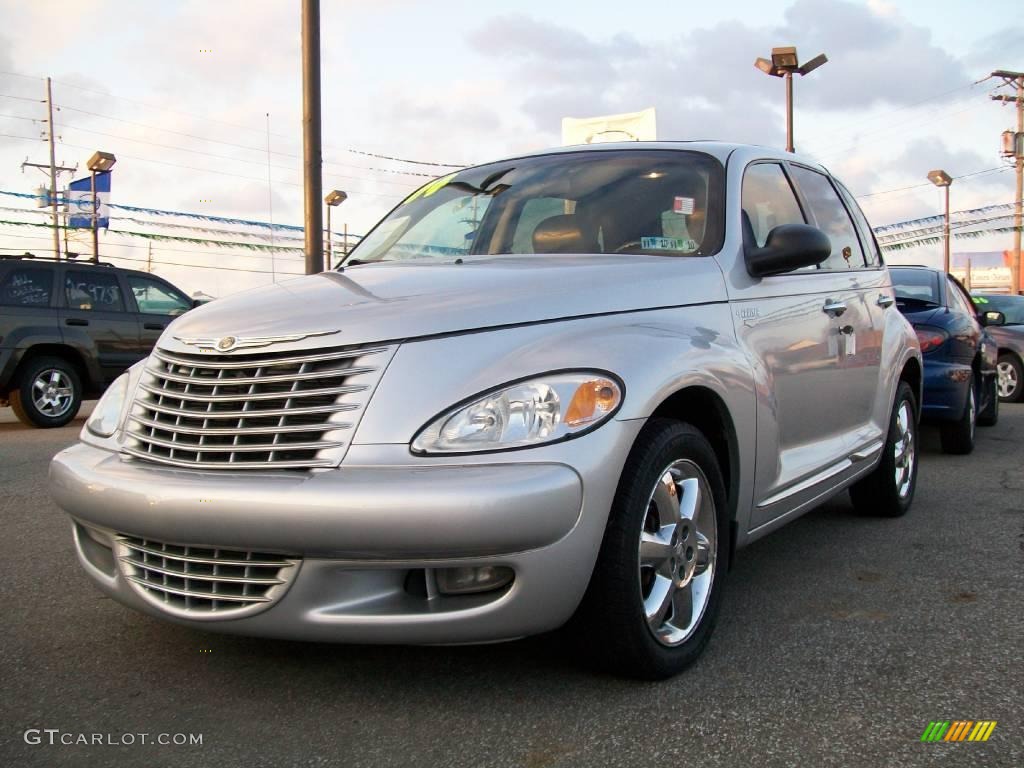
x=1007, y=380
x=52, y=393
x=904, y=451
x=678, y=544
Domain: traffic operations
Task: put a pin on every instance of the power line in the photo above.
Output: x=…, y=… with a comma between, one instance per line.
x=261, y=150
x=20, y=98
x=220, y=173
x=227, y=157
x=208, y=119
x=929, y=184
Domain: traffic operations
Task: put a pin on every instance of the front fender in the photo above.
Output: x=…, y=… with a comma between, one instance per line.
x=654, y=353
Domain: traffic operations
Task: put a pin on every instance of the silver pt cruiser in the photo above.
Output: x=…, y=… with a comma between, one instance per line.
x=559, y=389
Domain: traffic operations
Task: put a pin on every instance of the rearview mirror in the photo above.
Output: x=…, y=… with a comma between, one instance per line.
x=992, y=317
x=788, y=247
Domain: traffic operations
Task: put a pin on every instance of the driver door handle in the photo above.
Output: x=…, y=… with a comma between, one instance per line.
x=834, y=308
x=885, y=301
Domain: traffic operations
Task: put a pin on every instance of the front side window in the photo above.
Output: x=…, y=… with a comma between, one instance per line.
x=654, y=202
x=27, y=287
x=831, y=217
x=156, y=298
x=95, y=291
x=768, y=201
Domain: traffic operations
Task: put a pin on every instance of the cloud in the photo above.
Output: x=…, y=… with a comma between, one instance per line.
x=703, y=82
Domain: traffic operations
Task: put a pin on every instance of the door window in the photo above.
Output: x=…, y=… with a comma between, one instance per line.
x=872, y=253
x=959, y=300
x=768, y=200
x=27, y=287
x=93, y=290
x=157, y=298
x=831, y=218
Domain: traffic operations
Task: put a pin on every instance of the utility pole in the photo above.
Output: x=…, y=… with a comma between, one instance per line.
x=149, y=259
x=53, y=169
x=312, y=155
x=1015, y=79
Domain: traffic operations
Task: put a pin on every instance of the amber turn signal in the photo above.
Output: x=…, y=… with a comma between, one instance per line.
x=592, y=400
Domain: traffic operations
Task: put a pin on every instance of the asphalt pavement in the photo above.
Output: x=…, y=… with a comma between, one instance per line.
x=840, y=639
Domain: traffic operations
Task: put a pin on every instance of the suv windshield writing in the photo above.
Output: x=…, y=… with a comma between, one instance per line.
x=648, y=202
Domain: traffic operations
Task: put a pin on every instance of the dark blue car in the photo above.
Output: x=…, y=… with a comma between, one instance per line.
x=960, y=376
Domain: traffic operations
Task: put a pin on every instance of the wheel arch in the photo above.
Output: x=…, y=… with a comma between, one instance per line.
x=705, y=410
x=913, y=375
x=62, y=351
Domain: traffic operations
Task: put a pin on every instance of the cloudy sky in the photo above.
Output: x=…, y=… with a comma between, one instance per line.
x=180, y=91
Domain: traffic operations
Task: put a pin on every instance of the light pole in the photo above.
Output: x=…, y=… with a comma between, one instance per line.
x=333, y=198
x=942, y=179
x=784, y=63
x=312, y=159
x=98, y=163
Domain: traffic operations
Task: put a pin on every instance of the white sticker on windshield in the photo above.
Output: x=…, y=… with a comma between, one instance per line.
x=667, y=244
x=683, y=205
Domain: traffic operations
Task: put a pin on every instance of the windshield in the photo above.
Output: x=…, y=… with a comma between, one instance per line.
x=661, y=202
x=915, y=285
x=1011, y=306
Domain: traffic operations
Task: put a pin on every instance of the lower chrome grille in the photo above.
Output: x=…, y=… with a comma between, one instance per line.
x=286, y=410
x=204, y=582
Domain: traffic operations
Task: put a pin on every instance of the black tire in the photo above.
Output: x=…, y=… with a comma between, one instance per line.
x=1012, y=364
x=23, y=399
x=989, y=415
x=957, y=437
x=612, y=622
x=880, y=494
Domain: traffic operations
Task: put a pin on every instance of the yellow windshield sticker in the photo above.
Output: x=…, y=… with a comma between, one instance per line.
x=428, y=189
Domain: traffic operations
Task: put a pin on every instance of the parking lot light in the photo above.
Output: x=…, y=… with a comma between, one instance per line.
x=100, y=162
x=333, y=198
x=942, y=179
x=784, y=63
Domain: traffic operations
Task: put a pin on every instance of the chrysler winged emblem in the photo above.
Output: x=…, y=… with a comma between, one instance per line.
x=231, y=343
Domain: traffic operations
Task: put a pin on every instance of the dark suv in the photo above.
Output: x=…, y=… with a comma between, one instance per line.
x=68, y=329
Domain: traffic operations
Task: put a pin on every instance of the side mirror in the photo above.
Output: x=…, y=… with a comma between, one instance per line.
x=789, y=247
x=992, y=317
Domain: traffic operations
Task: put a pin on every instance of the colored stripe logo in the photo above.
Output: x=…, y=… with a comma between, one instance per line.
x=958, y=730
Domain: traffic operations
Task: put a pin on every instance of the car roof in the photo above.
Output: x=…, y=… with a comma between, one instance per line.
x=721, y=150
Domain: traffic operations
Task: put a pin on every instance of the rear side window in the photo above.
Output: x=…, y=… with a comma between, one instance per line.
x=27, y=287
x=872, y=253
x=768, y=200
x=831, y=217
x=96, y=291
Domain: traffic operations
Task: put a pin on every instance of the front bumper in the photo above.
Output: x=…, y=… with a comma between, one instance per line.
x=367, y=538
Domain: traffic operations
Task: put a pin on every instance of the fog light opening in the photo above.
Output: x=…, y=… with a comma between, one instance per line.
x=468, y=580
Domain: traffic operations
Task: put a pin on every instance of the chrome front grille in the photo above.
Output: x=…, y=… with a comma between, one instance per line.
x=203, y=581
x=255, y=411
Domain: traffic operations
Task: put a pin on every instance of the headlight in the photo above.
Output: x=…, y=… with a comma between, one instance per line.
x=545, y=409
x=107, y=413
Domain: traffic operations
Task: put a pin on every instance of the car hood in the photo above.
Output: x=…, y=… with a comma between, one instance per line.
x=395, y=300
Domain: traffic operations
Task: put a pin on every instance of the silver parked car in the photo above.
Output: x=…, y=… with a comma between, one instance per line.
x=556, y=389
